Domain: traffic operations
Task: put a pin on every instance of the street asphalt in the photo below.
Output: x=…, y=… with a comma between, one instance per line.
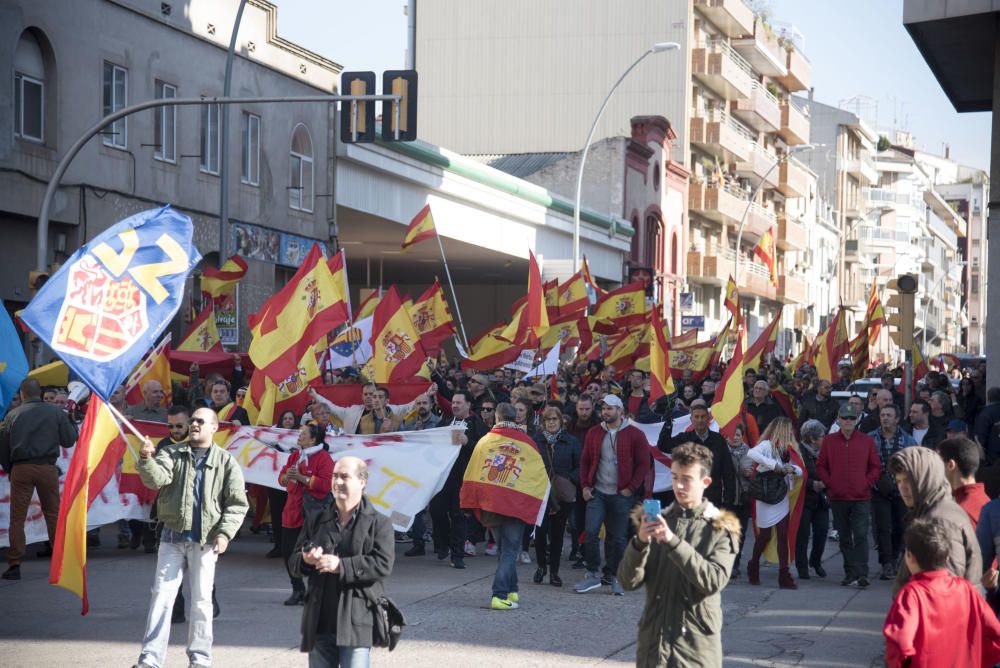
x=450, y=624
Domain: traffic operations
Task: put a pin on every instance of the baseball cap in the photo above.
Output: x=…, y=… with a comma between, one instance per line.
x=612, y=400
x=847, y=411
x=957, y=425
x=481, y=379
x=538, y=388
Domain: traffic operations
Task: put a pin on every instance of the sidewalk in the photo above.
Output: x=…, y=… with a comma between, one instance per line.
x=821, y=624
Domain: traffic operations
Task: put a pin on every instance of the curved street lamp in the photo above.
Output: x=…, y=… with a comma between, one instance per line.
x=656, y=48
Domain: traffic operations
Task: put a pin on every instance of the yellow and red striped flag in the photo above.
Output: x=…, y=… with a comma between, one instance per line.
x=203, y=335
x=764, y=344
x=685, y=340
x=367, y=307
x=728, y=407
x=420, y=228
x=506, y=476
x=98, y=450
x=531, y=319
x=874, y=316
x=661, y=381
x=859, y=354
x=832, y=344
x=217, y=283
x=432, y=318
x=155, y=366
x=765, y=251
x=573, y=295
x=732, y=299
x=396, y=351
x=623, y=307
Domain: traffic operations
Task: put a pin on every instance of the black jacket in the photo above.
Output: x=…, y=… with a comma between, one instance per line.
x=723, y=490
x=475, y=429
x=813, y=499
x=566, y=453
x=364, y=563
x=32, y=434
x=813, y=409
x=764, y=413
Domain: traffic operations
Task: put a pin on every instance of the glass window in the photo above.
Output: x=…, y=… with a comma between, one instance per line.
x=115, y=98
x=165, y=125
x=210, y=138
x=300, y=188
x=29, y=108
x=251, y=149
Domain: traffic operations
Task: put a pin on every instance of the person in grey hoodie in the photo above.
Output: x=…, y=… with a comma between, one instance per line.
x=919, y=474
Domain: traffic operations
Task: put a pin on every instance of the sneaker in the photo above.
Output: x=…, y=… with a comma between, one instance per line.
x=497, y=603
x=888, y=572
x=862, y=582
x=12, y=573
x=590, y=582
x=848, y=582
x=458, y=563
x=616, y=587
x=470, y=549
x=514, y=597
x=834, y=536
x=605, y=579
x=122, y=541
x=525, y=558
x=491, y=549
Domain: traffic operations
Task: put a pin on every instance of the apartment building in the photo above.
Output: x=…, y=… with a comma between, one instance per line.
x=528, y=77
x=969, y=197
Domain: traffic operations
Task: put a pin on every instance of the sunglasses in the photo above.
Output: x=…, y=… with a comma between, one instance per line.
x=194, y=421
x=848, y=417
x=176, y=426
x=486, y=409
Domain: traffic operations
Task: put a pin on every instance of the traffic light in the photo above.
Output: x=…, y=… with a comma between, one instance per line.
x=901, y=310
x=404, y=84
x=36, y=279
x=357, y=118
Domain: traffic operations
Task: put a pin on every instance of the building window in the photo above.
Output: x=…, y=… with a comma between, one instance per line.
x=300, y=189
x=29, y=90
x=115, y=99
x=210, y=138
x=165, y=125
x=251, y=149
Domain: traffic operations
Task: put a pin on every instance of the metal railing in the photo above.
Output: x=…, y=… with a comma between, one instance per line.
x=874, y=233
x=761, y=88
x=723, y=47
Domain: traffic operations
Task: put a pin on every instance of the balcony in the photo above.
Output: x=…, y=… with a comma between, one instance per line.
x=763, y=51
x=793, y=179
x=723, y=70
x=716, y=133
x=708, y=269
x=885, y=198
x=862, y=168
x=759, y=220
x=792, y=290
x=799, y=69
x=761, y=110
x=872, y=235
x=758, y=165
x=733, y=17
x=756, y=281
x=791, y=234
x=794, y=127
x=723, y=204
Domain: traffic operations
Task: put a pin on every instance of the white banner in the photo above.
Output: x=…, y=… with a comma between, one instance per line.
x=524, y=361
x=405, y=469
x=663, y=480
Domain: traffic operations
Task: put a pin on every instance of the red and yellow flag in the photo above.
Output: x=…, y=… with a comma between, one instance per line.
x=765, y=343
x=217, y=283
x=155, y=366
x=396, y=351
x=589, y=279
x=728, y=407
x=859, y=355
x=203, y=335
x=531, y=319
x=420, y=228
x=432, y=318
x=832, y=344
x=732, y=298
x=292, y=320
x=573, y=295
x=765, y=251
x=874, y=316
x=804, y=357
x=488, y=350
x=98, y=450
x=694, y=358
x=661, y=380
x=506, y=476
x=623, y=307
x=266, y=400
x=685, y=340
x=920, y=367
x=551, y=290
x=627, y=348
x=571, y=330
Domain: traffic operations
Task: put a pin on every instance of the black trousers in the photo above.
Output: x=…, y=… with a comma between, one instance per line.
x=276, y=499
x=887, y=526
x=549, y=539
x=815, y=522
x=290, y=536
x=743, y=514
x=449, y=523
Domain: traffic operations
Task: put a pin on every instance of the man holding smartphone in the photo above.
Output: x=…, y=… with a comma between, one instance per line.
x=684, y=556
x=201, y=504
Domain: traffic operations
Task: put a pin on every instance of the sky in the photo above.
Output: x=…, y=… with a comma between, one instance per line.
x=858, y=50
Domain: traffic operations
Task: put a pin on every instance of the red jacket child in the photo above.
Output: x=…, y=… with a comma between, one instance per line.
x=319, y=467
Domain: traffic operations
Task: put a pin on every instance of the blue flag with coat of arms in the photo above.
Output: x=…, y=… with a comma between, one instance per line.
x=108, y=303
x=13, y=363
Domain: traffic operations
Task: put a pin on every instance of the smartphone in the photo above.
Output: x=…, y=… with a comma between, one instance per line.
x=650, y=509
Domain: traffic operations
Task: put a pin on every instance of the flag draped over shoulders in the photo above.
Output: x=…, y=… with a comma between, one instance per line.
x=506, y=476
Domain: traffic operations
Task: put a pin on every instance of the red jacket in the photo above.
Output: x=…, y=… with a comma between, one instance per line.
x=848, y=468
x=971, y=498
x=319, y=465
x=938, y=619
x=634, y=459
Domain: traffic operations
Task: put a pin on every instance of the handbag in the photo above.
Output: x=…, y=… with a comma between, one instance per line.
x=769, y=486
x=388, y=622
x=563, y=489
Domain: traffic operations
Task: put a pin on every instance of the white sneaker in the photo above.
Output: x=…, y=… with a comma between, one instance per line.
x=491, y=549
x=470, y=549
x=525, y=558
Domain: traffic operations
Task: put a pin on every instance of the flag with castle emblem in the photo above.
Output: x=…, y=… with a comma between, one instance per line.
x=396, y=351
x=112, y=298
x=732, y=300
x=506, y=476
x=623, y=307
x=432, y=318
x=203, y=335
x=765, y=251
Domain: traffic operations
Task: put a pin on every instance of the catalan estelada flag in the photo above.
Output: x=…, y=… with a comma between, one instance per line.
x=155, y=366
x=623, y=307
x=506, y=476
x=217, y=283
x=661, y=381
x=396, y=351
x=98, y=450
x=765, y=343
x=293, y=319
x=728, y=407
x=765, y=251
x=432, y=318
x=203, y=335
x=420, y=228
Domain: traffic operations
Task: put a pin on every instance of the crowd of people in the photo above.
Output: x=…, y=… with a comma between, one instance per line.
x=915, y=482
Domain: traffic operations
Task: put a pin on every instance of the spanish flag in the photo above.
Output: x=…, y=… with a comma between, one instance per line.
x=217, y=283
x=694, y=358
x=920, y=368
x=203, y=335
x=732, y=299
x=396, y=351
x=804, y=357
x=765, y=343
x=551, y=290
x=831, y=345
x=506, y=476
x=728, y=407
x=568, y=331
x=685, y=340
x=98, y=450
x=874, y=316
x=367, y=307
x=624, y=307
x=155, y=366
x=267, y=399
x=420, y=228
x=573, y=295
x=488, y=350
x=765, y=251
x=292, y=320
x=531, y=320
x=432, y=318
x=627, y=348
x=661, y=381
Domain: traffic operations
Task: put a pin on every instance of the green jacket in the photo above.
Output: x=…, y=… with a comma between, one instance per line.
x=223, y=500
x=682, y=618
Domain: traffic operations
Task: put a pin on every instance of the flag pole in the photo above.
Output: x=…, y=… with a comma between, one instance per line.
x=454, y=295
x=121, y=418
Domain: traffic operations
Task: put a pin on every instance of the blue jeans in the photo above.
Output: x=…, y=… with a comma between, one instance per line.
x=611, y=510
x=326, y=654
x=508, y=537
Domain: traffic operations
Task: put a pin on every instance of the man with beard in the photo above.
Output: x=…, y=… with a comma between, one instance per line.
x=721, y=491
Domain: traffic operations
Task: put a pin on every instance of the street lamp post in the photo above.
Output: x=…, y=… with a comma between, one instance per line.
x=753, y=196
x=933, y=291
x=656, y=48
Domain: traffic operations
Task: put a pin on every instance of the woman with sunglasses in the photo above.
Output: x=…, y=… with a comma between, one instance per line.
x=308, y=477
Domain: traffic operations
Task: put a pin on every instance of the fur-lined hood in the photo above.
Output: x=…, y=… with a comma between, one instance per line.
x=720, y=519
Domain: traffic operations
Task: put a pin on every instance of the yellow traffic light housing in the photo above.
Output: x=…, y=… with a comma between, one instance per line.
x=36, y=279
x=900, y=309
x=402, y=112
x=357, y=117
